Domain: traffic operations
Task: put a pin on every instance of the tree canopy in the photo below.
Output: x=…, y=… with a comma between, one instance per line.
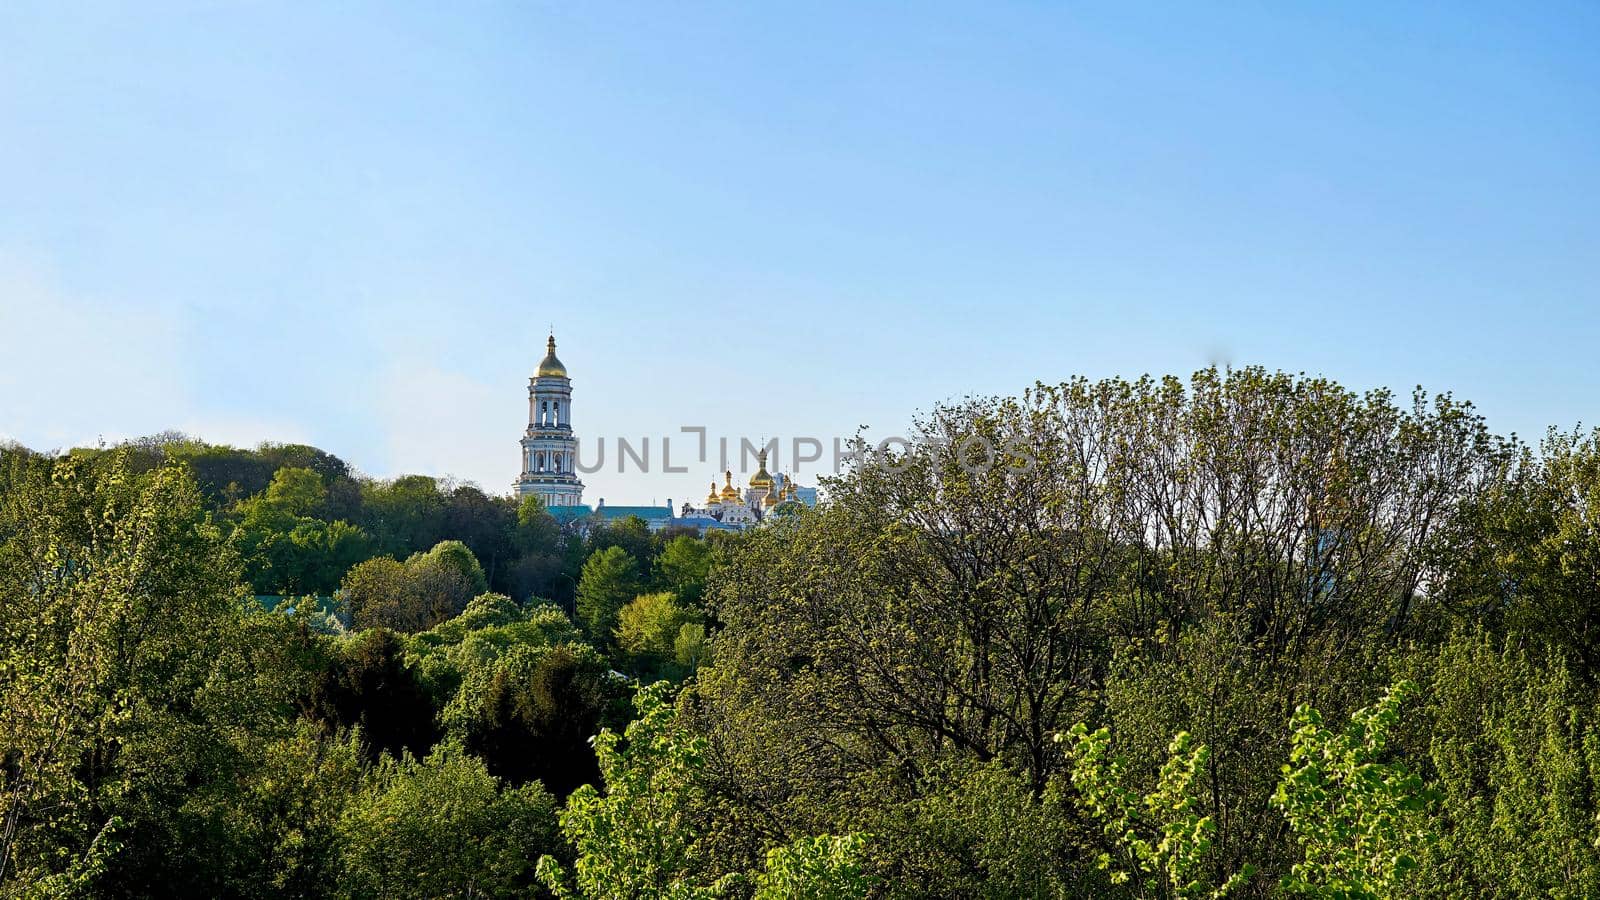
x=1249, y=635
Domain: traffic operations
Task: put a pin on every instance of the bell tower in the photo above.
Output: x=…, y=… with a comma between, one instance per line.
x=549, y=450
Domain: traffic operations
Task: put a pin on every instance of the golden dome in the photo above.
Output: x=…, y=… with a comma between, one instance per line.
x=771, y=497
x=551, y=367
x=761, y=479
x=729, y=492
x=712, y=499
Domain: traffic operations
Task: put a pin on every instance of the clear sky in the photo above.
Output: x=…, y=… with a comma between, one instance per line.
x=352, y=224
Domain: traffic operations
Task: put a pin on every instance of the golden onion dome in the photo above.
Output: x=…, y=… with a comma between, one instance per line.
x=729, y=492
x=761, y=479
x=712, y=499
x=551, y=367
x=771, y=497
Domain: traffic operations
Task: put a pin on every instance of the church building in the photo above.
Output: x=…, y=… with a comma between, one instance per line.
x=550, y=471
x=766, y=496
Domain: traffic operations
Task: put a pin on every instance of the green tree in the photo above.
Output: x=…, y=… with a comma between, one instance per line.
x=644, y=836
x=536, y=527
x=531, y=712
x=369, y=684
x=1525, y=558
x=226, y=475
x=288, y=551
x=649, y=625
x=377, y=593
x=283, y=827
x=443, y=581
x=1514, y=737
x=428, y=588
x=1161, y=841
x=312, y=557
x=120, y=665
x=683, y=567
x=404, y=516
x=546, y=561
x=978, y=830
x=1213, y=681
x=826, y=867
x=638, y=839
x=631, y=534
x=610, y=579
x=1362, y=823
x=1194, y=555
x=690, y=648
x=485, y=525
x=329, y=468
x=294, y=492
x=649, y=630
x=443, y=827
x=454, y=555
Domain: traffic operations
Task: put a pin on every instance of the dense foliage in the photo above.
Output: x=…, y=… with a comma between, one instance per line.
x=1247, y=635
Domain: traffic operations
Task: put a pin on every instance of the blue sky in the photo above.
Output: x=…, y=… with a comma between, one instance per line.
x=352, y=225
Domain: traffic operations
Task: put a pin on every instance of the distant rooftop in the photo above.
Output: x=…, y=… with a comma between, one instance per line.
x=565, y=514
x=648, y=513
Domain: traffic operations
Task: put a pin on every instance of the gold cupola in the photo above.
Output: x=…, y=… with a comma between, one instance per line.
x=550, y=367
x=729, y=493
x=770, y=499
x=712, y=499
x=761, y=479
